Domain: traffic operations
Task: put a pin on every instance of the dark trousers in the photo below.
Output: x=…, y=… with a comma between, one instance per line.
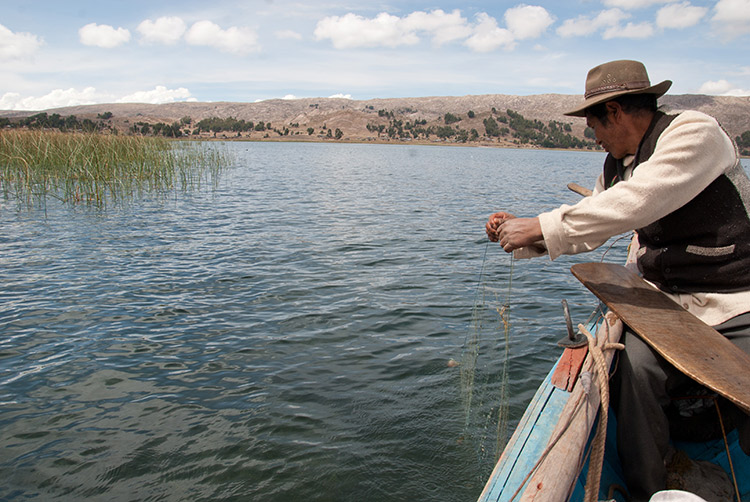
x=642, y=388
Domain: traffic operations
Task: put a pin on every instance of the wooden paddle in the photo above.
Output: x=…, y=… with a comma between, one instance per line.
x=575, y=187
x=685, y=341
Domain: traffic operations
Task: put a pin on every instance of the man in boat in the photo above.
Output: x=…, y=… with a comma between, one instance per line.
x=678, y=182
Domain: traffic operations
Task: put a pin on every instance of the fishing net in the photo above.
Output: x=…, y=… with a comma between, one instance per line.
x=485, y=359
x=484, y=366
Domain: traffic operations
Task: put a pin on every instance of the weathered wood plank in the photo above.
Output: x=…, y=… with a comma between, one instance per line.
x=567, y=370
x=544, y=418
x=688, y=343
x=554, y=479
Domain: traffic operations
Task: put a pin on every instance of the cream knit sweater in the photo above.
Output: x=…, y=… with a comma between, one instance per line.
x=691, y=152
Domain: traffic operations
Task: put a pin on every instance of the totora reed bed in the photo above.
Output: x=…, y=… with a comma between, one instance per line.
x=99, y=168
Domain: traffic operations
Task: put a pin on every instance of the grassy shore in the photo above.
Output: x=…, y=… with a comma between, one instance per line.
x=100, y=168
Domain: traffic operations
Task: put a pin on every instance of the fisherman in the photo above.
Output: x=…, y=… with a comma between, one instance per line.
x=677, y=181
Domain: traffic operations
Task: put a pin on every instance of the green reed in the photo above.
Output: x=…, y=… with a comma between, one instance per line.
x=99, y=168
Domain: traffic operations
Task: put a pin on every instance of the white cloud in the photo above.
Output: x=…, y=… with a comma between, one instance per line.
x=341, y=96
x=610, y=21
x=584, y=25
x=352, y=31
x=289, y=97
x=55, y=99
x=234, y=40
x=103, y=35
x=633, y=4
x=737, y=92
x=630, y=30
x=717, y=87
x=722, y=88
x=17, y=45
x=679, y=15
x=10, y=101
x=158, y=95
x=488, y=36
x=386, y=30
x=165, y=30
x=732, y=17
x=288, y=35
x=528, y=21
x=60, y=98
x=442, y=26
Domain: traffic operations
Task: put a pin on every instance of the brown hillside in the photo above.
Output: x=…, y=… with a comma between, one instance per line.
x=352, y=117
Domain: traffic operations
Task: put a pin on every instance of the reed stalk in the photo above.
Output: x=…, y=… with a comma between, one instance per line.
x=100, y=168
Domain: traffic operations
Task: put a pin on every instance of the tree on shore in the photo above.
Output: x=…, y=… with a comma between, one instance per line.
x=451, y=119
x=491, y=128
x=743, y=143
x=399, y=124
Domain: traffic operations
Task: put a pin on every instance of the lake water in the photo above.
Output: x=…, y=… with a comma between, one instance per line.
x=284, y=336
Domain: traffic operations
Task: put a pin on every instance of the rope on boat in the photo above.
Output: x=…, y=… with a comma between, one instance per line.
x=597, y=346
x=593, y=477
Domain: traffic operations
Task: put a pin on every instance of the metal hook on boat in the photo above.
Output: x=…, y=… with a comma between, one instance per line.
x=573, y=340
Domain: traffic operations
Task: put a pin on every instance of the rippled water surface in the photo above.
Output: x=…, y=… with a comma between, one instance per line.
x=285, y=336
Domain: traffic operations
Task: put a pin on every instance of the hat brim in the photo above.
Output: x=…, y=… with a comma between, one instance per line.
x=580, y=111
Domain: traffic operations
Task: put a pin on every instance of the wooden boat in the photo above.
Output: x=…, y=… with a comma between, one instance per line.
x=552, y=450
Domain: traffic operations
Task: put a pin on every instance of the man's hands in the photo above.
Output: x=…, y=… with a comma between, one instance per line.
x=494, y=222
x=513, y=233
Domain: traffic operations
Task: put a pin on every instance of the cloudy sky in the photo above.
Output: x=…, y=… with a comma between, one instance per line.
x=55, y=53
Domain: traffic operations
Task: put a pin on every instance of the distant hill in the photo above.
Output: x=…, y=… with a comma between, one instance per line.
x=352, y=117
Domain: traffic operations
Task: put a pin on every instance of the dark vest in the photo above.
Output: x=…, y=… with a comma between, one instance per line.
x=704, y=246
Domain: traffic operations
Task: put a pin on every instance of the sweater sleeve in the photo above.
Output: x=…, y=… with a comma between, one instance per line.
x=690, y=153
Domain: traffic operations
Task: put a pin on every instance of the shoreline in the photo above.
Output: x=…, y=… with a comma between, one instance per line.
x=404, y=142
x=419, y=142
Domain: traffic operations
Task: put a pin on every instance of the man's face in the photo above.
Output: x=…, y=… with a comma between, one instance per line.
x=609, y=136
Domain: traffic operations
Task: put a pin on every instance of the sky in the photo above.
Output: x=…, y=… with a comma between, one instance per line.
x=55, y=53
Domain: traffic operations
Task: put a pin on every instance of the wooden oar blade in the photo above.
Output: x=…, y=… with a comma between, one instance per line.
x=688, y=343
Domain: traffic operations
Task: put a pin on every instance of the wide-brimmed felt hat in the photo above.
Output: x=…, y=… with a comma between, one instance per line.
x=616, y=78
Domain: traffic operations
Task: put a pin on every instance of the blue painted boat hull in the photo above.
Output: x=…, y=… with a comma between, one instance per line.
x=535, y=431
